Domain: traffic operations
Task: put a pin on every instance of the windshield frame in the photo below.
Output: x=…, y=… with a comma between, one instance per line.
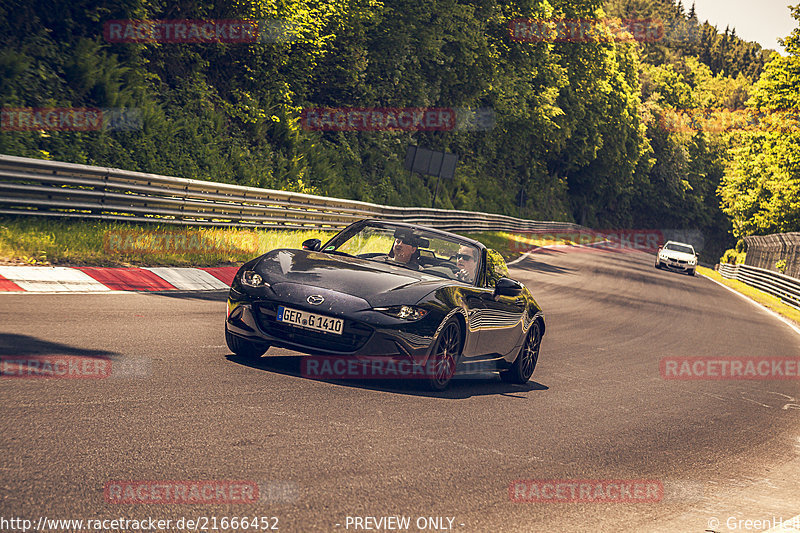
x=353, y=229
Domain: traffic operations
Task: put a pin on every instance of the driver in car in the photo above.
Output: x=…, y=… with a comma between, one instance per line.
x=405, y=249
x=467, y=264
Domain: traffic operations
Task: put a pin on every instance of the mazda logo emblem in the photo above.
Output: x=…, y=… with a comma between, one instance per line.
x=315, y=299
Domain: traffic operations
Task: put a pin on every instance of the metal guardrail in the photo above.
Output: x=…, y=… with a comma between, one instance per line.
x=50, y=188
x=784, y=287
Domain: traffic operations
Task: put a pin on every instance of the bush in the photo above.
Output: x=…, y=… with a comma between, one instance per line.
x=733, y=257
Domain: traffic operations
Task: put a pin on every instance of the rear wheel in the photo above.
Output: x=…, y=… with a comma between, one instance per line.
x=522, y=369
x=442, y=363
x=243, y=347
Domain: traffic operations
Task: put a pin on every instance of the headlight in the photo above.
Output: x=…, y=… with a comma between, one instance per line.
x=406, y=312
x=251, y=279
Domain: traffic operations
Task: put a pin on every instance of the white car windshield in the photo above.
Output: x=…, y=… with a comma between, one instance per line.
x=679, y=248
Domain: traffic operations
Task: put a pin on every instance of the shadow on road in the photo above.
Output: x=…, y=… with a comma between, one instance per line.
x=211, y=296
x=532, y=265
x=462, y=386
x=22, y=345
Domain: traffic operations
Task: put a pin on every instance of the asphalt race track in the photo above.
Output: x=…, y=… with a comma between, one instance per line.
x=183, y=408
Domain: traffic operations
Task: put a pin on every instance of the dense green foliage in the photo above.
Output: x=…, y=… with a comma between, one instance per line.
x=578, y=132
x=762, y=191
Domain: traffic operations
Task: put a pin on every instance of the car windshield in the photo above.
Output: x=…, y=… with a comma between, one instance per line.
x=679, y=248
x=409, y=247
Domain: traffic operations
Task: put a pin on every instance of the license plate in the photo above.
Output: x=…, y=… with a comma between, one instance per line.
x=304, y=319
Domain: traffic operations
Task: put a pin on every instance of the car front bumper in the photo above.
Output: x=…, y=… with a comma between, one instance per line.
x=380, y=337
x=674, y=264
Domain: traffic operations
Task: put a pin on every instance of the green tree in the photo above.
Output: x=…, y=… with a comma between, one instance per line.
x=761, y=192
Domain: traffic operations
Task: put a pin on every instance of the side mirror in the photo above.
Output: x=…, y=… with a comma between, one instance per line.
x=507, y=287
x=312, y=244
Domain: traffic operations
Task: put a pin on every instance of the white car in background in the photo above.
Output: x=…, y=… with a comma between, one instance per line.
x=677, y=256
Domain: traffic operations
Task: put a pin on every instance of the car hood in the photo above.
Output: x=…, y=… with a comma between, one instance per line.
x=377, y=283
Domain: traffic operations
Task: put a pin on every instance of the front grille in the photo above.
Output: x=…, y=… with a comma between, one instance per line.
x=354, y=334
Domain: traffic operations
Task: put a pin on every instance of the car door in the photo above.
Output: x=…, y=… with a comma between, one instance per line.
x=500, y=321
x=472, y=299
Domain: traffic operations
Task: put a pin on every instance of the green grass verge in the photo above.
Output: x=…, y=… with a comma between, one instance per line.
x=66, y=242
x=767, y=300
x=44, y=241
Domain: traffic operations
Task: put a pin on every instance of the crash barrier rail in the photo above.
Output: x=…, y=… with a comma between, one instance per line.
x=784, y=287
x=51, y=188
x=765, y=251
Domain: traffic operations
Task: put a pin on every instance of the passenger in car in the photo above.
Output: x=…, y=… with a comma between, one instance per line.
x=467, y=264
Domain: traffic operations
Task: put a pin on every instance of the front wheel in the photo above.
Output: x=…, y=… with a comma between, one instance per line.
x=442, y=363
x=691, y=272
x=522, y=369
x=243, y=347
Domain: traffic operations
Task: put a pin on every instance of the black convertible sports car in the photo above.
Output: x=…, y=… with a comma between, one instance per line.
x=435, y=300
